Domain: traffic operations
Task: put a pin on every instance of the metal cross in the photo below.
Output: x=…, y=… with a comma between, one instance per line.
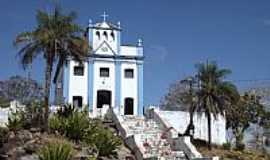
x=104, y=16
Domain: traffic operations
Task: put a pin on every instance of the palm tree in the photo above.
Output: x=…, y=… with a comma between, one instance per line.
x=56, y=37
x=189, y=98
x=214, y=94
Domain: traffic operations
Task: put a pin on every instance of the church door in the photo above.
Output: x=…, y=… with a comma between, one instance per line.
x=103, y=97
x=129, y=106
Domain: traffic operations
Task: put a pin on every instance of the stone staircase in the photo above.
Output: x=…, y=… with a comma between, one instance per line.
x=147, y=139
x=154, y=143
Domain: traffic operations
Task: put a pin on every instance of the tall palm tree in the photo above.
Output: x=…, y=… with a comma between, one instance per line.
x=214, y=94
x=56, y=37
x=190, y=98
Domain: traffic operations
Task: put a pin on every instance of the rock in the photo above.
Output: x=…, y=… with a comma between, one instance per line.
x=3, y=156
x=30, y=157
x=34, y=130
x=16, y=152
x=77, y=147
x=37, y=135
x=11, y=135
x=25, y=135
x=31, y=146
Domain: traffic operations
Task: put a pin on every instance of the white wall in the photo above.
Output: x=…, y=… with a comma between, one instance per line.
x=78, y=85
x=129, y=50
x=97, y=42
x=129, y=88
x=103, y=83
x=180, y=120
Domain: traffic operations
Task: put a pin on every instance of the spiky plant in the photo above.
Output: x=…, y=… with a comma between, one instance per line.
x=56, y=150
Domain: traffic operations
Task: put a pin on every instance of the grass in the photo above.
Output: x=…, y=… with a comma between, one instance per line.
x=231, y=154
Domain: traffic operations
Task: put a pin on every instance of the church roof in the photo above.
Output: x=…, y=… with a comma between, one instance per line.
x=106, y=25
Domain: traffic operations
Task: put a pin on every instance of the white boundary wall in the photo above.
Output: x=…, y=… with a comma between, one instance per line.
x=179, y=120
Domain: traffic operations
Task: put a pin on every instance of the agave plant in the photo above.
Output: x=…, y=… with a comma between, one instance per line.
x=57, y=150
x=76, y=125
x=15, y=121
x=56, y=124
x=102, y=140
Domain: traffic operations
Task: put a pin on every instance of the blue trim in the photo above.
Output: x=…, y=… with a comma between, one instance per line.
x=120, y=57
x=90, y=37
x=117, y=84
x=140, y=88
x=118, y=42
x=66, y=81
x=90, y=84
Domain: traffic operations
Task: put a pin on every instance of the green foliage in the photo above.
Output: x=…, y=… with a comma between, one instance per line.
x=57, y=150
x=103, y=140
x=240, y=115
x=240, y=146
x=76, y=125
x=56, y=38
x=66, y=110
x=214, y=94
x=56, y=124
x=106, y=143
x=15, y=121
x=227, y=146
x=4, y=102
x=33, y=115
x=71, y=123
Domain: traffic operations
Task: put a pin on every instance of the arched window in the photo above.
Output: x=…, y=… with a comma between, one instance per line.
x=105, y=35
x=98, y=35
x=112, y=35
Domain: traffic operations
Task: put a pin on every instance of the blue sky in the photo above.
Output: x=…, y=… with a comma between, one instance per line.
x=177, y=34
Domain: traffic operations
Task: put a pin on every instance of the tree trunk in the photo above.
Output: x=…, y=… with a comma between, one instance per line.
x=48, y=74
x=209, y=131
x=239, y=137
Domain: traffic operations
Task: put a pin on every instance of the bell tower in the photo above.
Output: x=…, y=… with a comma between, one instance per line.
x=104, y=37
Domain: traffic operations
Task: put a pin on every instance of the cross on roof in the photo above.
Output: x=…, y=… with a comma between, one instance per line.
x=104, y=15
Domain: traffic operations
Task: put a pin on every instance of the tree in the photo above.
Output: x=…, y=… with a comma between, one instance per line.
x=24, y=90
x=175, y=98
x=214, y=94
x=57, y=38
x=248, y=110
x=190, y=99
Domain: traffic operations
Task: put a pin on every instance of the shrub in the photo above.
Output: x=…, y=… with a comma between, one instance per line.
x=227, y=146
x=56, y=124
x=73, y=125
x=106, y=143
x=57, y=150
x=66, y=110
x=103, y=140
x=240, y=146
x=15, y=121
x=76, y=125
x=33, y=115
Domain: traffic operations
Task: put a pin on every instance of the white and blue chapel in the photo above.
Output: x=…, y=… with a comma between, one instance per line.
x=111, y=77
